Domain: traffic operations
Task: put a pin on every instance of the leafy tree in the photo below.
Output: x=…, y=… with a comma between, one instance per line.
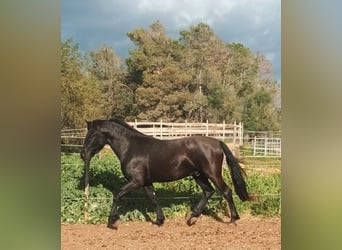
x=80, y=95
x=196, y=77
x=223, y=72
x=161, y=84
x=259, y=113
x=106, y=67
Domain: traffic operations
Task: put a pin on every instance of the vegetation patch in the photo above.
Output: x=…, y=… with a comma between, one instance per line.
x=176, y=198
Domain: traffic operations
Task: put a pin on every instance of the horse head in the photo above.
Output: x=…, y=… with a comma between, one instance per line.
x=93, y=143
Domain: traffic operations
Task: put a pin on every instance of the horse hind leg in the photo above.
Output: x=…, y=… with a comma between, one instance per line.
x=208, y=191
x=227, y=194
x=152, y=196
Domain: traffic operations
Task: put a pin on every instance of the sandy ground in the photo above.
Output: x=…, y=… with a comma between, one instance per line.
x=249, y=233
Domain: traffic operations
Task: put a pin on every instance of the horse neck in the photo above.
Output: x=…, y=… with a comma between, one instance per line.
x=117, y=138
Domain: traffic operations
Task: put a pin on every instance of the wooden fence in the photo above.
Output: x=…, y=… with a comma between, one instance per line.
x=170, y=130
x=255, y=143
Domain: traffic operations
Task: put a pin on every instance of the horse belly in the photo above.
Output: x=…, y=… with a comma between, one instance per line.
x=171, y=170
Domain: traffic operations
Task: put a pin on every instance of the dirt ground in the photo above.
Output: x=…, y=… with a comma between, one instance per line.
x=249, y=233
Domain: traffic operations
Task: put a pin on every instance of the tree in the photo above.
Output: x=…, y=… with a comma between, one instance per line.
x=106, y=67
x=161, y=84
x=195, y=78
x=259, y=113
x=80, y=95
x=224, y=73
x=71, y=67
x=199, y=62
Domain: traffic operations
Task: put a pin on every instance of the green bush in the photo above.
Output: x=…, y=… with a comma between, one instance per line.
x=176, y=198
x=267, y=203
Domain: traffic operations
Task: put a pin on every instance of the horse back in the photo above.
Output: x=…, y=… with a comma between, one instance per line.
x=168, y=160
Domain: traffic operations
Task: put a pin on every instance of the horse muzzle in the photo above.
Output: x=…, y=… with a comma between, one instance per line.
x=82, y=155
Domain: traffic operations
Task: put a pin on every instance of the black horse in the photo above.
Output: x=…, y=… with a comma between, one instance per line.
x=145, y=160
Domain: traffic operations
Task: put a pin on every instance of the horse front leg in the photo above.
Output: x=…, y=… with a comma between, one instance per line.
x=114, y=215
x=152, y=195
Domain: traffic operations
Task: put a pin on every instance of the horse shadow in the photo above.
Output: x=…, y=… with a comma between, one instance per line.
x=138, y=200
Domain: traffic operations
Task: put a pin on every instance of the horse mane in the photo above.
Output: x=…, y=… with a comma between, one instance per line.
x=126, y=125
x=93, y=124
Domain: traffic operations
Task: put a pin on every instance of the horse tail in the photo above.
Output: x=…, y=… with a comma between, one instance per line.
x=237, y=173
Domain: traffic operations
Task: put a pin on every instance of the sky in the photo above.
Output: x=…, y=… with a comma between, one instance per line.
x=254, y=23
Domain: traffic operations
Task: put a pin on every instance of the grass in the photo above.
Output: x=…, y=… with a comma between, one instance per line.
x=176, y=198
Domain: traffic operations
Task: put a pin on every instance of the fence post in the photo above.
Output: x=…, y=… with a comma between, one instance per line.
x=254, y=146
x=86, y=215
x=234, y=137
x=186, y=128
x=154, y=130
x=240, y=133
x=86, y=192
x=207, y=132
x=161, y=129
x=224, y=130
x=265, y=146
x=190, y=126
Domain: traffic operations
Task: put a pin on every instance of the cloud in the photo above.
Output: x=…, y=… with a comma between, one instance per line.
x=254, y=23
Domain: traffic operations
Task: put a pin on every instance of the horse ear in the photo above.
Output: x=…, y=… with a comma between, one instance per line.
x=88, y=124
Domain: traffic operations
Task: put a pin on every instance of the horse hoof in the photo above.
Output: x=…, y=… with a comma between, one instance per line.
x=233, y=221
x=112, y=226
x=192, y=220
x=112, y=222
x=158, y=222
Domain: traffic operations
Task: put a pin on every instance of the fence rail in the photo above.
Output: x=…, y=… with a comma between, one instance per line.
x=255, y=143
x=262, y=147
x=167, y=130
